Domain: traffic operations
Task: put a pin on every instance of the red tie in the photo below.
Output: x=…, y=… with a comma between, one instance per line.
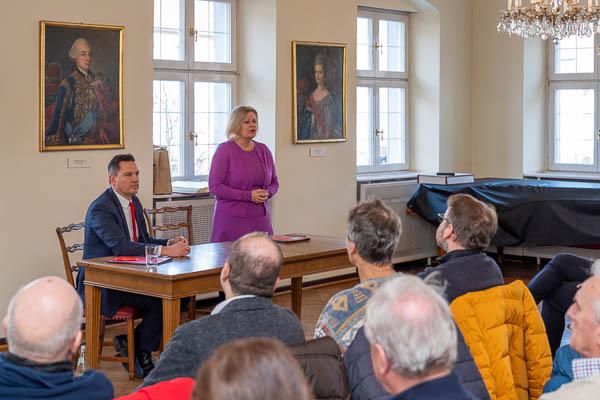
x=132, y=208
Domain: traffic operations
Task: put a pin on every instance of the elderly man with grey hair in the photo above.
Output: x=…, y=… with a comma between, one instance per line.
x=43, y=330
x=413, y=341
x=585, y=340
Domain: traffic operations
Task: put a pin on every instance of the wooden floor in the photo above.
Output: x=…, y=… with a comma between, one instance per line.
x=313, y=301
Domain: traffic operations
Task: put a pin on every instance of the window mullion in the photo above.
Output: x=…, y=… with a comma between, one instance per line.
x=190, y=128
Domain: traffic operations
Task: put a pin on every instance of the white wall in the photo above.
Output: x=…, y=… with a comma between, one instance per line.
x=497, y=145
x=39, y=192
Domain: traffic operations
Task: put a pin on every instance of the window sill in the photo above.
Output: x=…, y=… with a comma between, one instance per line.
x=386, y=176
x=564, y=175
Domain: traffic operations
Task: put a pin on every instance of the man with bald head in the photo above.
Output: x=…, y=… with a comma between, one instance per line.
x=43, y=330
x=585, y=340
x=248, y=278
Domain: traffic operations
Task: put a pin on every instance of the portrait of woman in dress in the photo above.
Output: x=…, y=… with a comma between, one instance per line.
x=319, y=92
x=242, y=177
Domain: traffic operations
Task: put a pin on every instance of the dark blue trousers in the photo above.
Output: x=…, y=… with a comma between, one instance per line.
x=556, y=285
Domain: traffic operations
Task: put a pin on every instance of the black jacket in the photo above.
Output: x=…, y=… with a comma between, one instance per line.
x=321, y=361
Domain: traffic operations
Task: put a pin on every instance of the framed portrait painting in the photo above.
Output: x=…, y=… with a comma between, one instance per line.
x=319, y=92
x=81, y=86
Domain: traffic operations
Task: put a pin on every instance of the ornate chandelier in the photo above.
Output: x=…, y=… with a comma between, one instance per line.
x=554, y=19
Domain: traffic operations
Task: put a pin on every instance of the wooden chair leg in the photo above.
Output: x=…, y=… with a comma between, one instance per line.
x=101, y=341
x=192, y=308
x=131, y=348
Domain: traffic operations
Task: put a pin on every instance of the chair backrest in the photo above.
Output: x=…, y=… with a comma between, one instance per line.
x=66, y=250
x=151, y=213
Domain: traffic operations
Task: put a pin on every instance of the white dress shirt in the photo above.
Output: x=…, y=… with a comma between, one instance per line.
x=127, y=211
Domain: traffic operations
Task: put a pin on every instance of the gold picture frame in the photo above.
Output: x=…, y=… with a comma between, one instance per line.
x=81, y=86
x=319, y=92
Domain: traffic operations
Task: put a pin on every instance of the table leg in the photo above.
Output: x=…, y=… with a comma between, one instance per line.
x=297, y=296
x=170, y=318
x=92, y=324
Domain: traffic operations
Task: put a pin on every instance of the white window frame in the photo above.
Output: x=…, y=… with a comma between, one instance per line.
x=376, y=79
x=557, y=81
x=190, y=71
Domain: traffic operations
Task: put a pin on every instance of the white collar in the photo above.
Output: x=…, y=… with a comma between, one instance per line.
x=124, y=202
x=219, y=307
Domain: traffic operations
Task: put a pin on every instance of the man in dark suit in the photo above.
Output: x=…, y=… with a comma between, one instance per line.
x=248, y=278
x=115, y=226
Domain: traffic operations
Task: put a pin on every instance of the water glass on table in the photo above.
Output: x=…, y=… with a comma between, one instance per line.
x=152, y=254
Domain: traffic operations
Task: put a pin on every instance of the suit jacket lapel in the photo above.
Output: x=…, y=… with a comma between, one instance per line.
x=120, y=213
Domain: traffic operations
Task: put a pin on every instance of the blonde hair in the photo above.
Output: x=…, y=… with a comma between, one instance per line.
x=236, y=119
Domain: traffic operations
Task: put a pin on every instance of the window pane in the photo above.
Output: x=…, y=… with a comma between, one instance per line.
x=168, y=121
x=212, y=21
x=574, y=126
x=392, y=50
x=574, y=55
x=169, y=29
x=392, y=117
x=212, y=103
x=364, y=44
x=364, y=126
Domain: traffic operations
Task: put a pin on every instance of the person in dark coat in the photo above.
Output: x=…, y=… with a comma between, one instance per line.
x=248, y=278
x=43, y=331
x=466, y=228
x=413, y=340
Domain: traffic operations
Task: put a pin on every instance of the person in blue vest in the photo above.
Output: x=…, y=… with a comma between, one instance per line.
x=43, y=329
x=115, y=226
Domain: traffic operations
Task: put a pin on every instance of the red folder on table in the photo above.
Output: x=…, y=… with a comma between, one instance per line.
x=138, y=260
x=290, y=237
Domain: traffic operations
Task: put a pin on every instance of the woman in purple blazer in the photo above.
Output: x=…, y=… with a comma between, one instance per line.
x=242, y=178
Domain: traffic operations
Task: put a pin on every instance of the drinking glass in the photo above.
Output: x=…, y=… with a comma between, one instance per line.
x=152, y=253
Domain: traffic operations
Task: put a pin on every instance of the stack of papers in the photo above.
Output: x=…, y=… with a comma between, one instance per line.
x=192, y=187
x=445, y=178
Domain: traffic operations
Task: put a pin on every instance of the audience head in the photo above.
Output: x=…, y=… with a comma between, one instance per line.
x=411, y=332
x=585, y=317
x=236, y=120
x=253, y=266
x=44, y=320
x=468, y=224
x=124, y=175
x=251, y=369
x=373, y=232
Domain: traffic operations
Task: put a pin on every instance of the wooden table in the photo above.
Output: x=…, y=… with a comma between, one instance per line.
x=197, y=273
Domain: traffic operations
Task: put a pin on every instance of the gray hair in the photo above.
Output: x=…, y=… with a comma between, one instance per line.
x=255, y=262
x=595, y=268
x=595, y=272
x=51, y=346
x=75, y=47
x=375, y=230
x=416, y=344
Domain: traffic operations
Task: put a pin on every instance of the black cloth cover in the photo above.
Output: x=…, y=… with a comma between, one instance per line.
x=530, y=212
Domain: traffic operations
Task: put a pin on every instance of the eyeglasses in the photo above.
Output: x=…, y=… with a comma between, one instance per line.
x=442, y=218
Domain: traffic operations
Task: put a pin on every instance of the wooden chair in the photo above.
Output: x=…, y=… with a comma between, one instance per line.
x=153, y=228
x=124, y=314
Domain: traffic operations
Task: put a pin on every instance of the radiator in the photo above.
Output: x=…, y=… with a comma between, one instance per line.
x=418, y=236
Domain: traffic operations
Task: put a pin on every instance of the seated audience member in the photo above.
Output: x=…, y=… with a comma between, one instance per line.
x=175, y=389
x=466, y=229
x=373, y=230
x=413, y=341
x=555, y=286
x=43, y=331
x=115, y=226
x=251, y=369
x=248, y=278
x=585, y=339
